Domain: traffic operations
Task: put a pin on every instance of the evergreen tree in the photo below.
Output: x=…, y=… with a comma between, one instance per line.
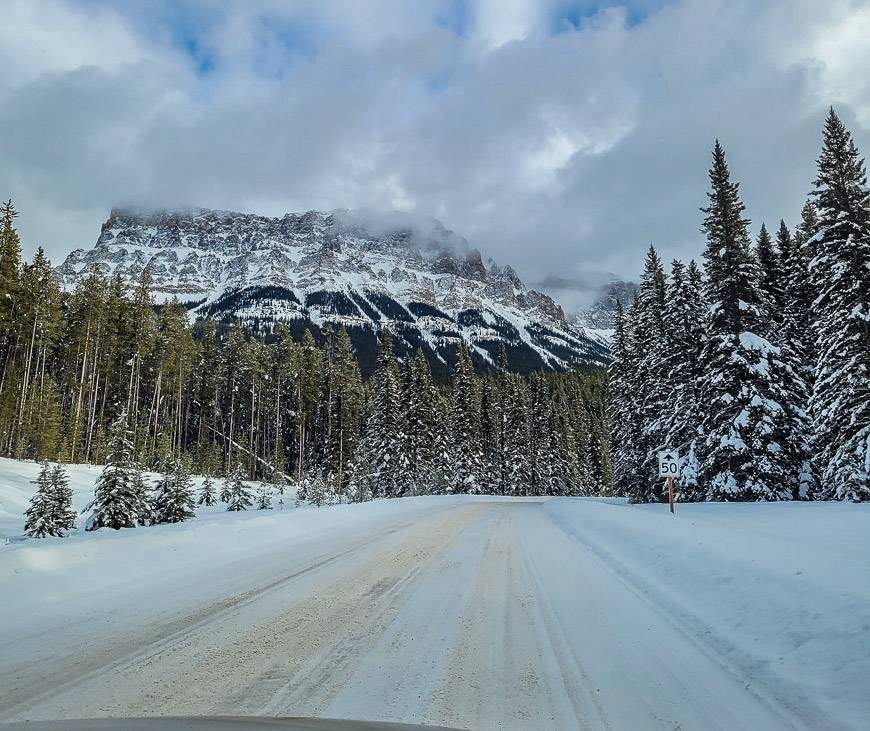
x=683, y=330
x=226, y=490
x=625, y=409
x=383, y=428
x=50, y=512
x=174, y=499
x=745, y=452
x=207, y=494
x=466, y=454
x=238, y=494
x=117, y=499
x=10, y=265
x=516, y=410
x=770, y=274
x=359, y=488
x=264, y=496
x=841, y=277
x=650, y=380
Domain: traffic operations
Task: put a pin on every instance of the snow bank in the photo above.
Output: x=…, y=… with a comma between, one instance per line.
x=17, y=486
x=780, y=590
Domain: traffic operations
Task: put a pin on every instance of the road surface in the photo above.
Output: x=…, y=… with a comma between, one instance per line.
x=480, y=615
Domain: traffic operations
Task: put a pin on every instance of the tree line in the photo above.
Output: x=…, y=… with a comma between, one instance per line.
x=758, y=367
x=219, y=398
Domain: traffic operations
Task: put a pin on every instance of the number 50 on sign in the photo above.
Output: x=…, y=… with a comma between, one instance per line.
x=669, y=463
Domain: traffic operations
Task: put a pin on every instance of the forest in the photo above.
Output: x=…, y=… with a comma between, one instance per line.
x=225, y=401
x=757, y=365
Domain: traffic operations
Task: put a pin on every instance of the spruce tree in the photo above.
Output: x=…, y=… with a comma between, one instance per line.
x=63, y=515
x=207, y=494
x=117, y=499
x=50, y=512
x=516, y=439
x=225, y=492
x=174, y=499
x=264, y=496
x=770, y=277
x=683, y=329
x=745, y=454
x=359, y=487
x=651, y=380
x=238, y=494
x=466, y=455
x=841, y=277
x=383, y=427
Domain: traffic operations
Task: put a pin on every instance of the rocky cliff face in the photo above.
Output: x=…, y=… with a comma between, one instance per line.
x=340, y=269
x=599, y=320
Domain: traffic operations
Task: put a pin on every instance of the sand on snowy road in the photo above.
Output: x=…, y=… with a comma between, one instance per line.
x=476, y=615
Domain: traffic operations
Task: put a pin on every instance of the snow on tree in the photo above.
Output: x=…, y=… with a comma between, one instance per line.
x=745, y=454
x=650, y=378
x=319, y=489
x=467, y=457
x=419, y=398
x=207, y=495
x=359, y=488
x=118, y=501
x=225, y=491
x=174, y=498
x=683, y=324
x=238, y=494
x=264, y=496
x=625, y=412
x=770, y=268
x=50, y=512
x=840, y=273
x=383, y=430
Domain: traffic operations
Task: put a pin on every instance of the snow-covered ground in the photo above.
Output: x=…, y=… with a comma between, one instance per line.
x=470, y=612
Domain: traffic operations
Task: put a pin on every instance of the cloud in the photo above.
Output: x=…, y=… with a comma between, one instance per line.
x=561, y=137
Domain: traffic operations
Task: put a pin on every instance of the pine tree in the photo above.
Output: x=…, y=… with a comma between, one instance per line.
x=516, y=414
x=841, y=276
x=207, y=495
x=264, y=496
x=383, y=428
x=117, y=499
x=466, y=455
x=174, y=500
x=770, y=273
x=226, y=489
x=238, y=495
x=490, y=427
x=683, y=330
x=650, y=380
x=359, y=487
x=625, y=411
x=50, y=512
x=10, y=265
x=317, y=490
x=63, y=515
x=745, y=454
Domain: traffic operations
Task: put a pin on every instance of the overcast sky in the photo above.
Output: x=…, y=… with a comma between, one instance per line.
x=560, y=136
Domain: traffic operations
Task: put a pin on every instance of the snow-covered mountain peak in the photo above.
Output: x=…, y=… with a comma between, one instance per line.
x=356, y=269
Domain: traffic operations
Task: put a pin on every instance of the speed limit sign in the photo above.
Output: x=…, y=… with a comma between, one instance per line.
x=669, y=463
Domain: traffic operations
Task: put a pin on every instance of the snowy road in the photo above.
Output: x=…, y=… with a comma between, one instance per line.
x=474, y=614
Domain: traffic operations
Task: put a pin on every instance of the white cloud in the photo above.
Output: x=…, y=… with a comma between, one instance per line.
x=561, y=154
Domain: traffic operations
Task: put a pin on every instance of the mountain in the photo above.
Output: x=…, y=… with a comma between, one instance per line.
x=598, y=320
x=341, y=269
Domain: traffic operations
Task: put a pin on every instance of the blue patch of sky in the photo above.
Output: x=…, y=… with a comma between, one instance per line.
x=455, y=15
x=570, y=15
x=281, y=43
x=182, y=22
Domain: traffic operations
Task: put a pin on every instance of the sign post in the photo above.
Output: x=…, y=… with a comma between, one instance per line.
x=669, y=468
